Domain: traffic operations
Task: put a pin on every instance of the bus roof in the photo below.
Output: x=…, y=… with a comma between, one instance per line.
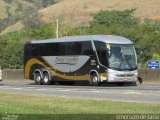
x=104, y=38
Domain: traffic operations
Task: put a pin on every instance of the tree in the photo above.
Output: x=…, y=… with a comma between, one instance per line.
x=156, y=56
x=44, y=31
x=109, y=18
x=12, y=56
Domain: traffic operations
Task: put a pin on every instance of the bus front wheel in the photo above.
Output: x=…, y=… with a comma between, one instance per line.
x=94, y=79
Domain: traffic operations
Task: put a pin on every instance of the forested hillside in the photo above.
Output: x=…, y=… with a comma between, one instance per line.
x=18, y=14
x=79, y=11
x=29, y=17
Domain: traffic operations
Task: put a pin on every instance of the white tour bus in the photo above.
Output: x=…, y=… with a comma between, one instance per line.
x=92, y=58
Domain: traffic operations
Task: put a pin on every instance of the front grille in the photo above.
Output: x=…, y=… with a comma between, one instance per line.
x=125, y=75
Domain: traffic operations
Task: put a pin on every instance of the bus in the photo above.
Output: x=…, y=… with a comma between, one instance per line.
x=92, y=58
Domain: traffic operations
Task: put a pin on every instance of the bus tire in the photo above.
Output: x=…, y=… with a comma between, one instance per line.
x=46, y=79
x=94, y=79
x=38, y=78
x=138, y=82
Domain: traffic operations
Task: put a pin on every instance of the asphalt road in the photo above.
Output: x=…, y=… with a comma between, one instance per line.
x=142, y=93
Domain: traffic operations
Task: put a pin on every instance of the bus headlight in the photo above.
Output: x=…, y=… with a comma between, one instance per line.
x=136, y=73
x=112, y=74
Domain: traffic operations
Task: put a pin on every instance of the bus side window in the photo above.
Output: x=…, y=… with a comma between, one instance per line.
x=76, y=48
x=27, y=50
x=102, y=52
x=62, y=49
x=54, y=49
x=103, y=56
x=34, y=50
x=87, y=48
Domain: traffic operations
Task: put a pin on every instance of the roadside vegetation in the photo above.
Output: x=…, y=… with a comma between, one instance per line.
x=145, y=35
x=44, y=106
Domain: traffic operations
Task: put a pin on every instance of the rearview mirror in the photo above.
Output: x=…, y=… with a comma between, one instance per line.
x=108, y=52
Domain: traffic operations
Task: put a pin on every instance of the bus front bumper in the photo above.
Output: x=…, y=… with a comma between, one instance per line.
x=122, y=79
x=122, y=76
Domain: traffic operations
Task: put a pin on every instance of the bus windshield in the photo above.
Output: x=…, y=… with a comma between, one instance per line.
x=122, y=57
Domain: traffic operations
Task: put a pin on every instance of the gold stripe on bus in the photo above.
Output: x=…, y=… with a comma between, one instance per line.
x=29, y=65
x=104, y=74
x=36, y=61
x=84, y=77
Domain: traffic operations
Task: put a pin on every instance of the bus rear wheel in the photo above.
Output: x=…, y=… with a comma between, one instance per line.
x=46, y=80
x=38, y=79
x=94, y=79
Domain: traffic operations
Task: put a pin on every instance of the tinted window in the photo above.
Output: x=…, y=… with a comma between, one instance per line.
x=34, y=50
x=49, y=49
x=75, y=48
x=60, y=49
x=27, y=49
x=102, y=52
x=87, y=48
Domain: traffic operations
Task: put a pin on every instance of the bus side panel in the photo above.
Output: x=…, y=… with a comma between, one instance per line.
x=68, y=67
x=65, y=65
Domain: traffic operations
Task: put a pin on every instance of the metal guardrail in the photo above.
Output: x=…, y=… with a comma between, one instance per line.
x=12, y=74
x=145, y=74
x=149, y=74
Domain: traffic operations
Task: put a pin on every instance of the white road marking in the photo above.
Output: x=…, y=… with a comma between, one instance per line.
x=30, y=87
x=41, y=89
x=17, y=88
x=107, y=91
x=66, y=90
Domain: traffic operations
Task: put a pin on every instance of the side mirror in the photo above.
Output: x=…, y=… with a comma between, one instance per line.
x=108, y=53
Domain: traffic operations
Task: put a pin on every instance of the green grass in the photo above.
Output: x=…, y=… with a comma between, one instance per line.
x=34, y=104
